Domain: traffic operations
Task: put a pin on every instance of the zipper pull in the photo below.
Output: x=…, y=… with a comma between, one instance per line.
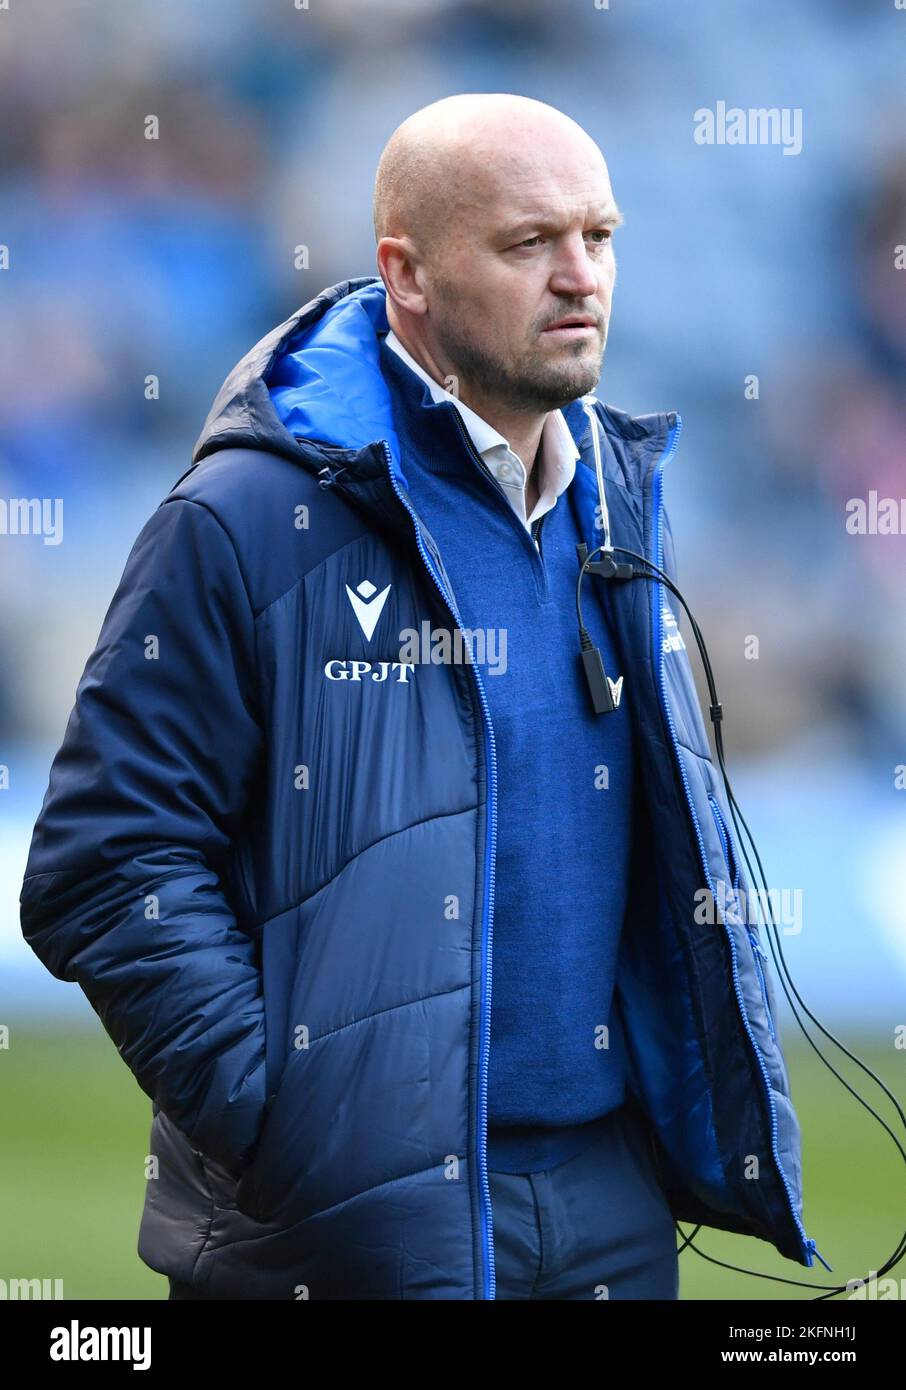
x=756, y=944
x=813, y=1247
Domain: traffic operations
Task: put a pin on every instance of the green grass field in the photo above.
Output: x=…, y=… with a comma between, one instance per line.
x=75, y=1135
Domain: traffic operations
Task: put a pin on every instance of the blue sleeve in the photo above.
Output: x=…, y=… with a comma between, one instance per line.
x=122, y=892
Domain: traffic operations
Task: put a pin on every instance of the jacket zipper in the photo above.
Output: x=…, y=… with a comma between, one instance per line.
x=487, y=921
x=809, y=1246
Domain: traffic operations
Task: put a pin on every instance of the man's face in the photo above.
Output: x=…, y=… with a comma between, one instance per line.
x=531, y=251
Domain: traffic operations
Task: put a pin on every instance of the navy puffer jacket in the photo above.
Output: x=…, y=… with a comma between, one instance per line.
x=247, y=866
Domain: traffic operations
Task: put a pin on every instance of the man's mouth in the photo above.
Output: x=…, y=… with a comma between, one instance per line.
x=575, y=326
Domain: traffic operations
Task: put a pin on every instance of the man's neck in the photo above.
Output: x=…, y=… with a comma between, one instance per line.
x=521, y=431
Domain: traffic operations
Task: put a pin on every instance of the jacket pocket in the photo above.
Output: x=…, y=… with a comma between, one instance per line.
x=255, y=1191
x=732, y=861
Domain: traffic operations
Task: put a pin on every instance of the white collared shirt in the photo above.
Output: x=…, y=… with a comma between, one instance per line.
x=557, y=452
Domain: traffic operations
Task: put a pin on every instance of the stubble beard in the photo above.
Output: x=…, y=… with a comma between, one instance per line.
x=528, y=383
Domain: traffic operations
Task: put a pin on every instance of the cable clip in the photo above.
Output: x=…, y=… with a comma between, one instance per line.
x=606, y=568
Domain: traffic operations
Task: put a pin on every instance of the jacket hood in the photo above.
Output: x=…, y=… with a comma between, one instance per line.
x=317, y=376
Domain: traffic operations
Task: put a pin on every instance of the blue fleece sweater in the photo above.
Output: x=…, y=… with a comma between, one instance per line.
x=565, y=792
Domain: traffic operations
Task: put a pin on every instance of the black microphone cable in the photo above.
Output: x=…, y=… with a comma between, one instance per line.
x=599, y=683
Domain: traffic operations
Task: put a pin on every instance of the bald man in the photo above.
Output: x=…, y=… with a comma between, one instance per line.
x=375, y=851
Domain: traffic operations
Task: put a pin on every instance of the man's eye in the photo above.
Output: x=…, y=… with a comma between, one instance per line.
x=601, y=235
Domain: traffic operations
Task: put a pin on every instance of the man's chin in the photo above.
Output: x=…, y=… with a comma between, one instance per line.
x=557, y=391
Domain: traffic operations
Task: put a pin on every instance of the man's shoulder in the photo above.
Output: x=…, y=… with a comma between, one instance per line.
x=280, y=521
x=231, y=480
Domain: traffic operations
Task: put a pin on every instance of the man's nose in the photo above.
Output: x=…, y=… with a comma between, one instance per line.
x=572, y=272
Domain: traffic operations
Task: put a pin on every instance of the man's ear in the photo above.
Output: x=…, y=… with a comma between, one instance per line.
x=401, y=269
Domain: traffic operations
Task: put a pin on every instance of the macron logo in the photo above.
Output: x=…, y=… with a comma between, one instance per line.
x=366, y=606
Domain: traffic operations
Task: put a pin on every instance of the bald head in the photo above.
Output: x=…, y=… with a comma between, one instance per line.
x=453, y=156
